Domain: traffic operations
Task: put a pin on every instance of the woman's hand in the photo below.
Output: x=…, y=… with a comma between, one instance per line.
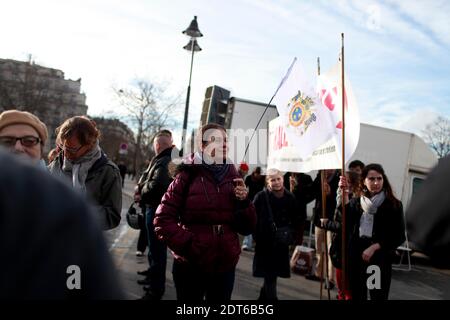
x=323, y=222
x=368, y=253
x=326, y=188
x=292, y=182
x=240, y=191
x=137, y=194
x=343, y=184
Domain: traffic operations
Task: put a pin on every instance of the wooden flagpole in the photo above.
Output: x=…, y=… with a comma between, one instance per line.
x=344, y=218
x=324, y=254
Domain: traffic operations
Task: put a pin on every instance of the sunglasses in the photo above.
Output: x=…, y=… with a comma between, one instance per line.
x=70, y=150
x=26, y=141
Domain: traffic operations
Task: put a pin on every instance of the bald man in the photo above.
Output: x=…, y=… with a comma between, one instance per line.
x=153, y=188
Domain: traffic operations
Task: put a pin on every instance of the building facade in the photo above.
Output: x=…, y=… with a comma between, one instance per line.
x=42, y=91
x=117, y=141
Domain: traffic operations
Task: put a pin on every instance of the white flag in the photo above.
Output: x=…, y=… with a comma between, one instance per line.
x=330, y=92
x=306, y=120
x=284, y=152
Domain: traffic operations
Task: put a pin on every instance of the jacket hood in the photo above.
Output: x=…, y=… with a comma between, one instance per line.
x=188, y=164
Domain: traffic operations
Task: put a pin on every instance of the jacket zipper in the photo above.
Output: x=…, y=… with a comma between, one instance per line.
x=204, y=189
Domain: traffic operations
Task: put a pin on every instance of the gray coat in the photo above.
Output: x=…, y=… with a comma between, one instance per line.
x=104, y=189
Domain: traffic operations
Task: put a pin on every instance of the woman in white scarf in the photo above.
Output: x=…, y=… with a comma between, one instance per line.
x=375, y=228
x=83, y=164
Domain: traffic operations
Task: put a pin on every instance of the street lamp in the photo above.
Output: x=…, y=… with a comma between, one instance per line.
x=192, y=46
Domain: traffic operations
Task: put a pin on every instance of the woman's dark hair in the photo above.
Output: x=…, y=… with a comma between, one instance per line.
x=356, y=163
x=386, y=184
x=82, y=127
x=354, y=180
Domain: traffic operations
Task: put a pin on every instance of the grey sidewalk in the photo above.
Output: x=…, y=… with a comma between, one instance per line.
x=423, y=282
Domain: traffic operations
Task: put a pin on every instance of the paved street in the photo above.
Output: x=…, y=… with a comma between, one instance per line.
x=423, y=282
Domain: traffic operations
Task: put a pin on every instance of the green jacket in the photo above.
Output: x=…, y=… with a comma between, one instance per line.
x=104, y=189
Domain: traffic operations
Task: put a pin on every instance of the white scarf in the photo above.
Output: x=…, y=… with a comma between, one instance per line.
x=370, y=207
x=79, y=168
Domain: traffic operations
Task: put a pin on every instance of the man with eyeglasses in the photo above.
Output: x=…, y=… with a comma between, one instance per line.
x=23, y=133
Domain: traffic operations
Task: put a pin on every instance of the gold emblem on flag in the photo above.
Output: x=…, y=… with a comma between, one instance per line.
x=300, y=112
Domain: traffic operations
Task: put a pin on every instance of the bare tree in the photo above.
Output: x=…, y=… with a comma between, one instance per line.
x=437, y=135
x=149, y=109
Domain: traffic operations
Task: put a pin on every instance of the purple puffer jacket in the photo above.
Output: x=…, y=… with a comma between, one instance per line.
x=199, y=219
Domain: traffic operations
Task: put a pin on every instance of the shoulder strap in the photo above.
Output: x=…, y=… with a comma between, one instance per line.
x=269, y=207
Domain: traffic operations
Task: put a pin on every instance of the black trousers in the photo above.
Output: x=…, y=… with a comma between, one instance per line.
x=194, y=285
x=142, y=240
x=360, y=272
x=157, y=257
x=269, y=289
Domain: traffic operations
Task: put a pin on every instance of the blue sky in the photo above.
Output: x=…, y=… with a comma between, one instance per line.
x=397, y=52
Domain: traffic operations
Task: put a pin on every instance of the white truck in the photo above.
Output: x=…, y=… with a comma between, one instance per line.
x=405, y=157
x=241, y=119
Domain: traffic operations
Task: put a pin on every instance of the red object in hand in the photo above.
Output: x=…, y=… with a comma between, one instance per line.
x=243, y=166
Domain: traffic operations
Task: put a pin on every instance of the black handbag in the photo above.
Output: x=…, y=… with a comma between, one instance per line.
x=135, y=219
x=335, y=250
x=282, y=235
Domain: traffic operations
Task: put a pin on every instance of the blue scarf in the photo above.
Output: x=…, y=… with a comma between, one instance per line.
x=218, y=171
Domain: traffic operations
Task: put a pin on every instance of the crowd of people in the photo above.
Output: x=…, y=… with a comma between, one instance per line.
x=199, y=224
x=202, y=207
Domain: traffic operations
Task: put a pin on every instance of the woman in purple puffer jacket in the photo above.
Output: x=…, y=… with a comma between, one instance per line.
x=200, y=216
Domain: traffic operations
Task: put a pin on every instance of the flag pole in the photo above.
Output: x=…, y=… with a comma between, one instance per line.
x=324, y=254
x=344, y=240
x=322, y=179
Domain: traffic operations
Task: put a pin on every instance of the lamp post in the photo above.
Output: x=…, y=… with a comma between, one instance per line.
x=192, y=46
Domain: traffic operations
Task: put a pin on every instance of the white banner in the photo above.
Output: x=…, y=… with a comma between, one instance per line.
x=312, y=120
x=306, y=120
x=330, y=92
x=284, y=156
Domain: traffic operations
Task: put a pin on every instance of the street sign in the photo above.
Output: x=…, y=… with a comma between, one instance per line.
x=123, y=148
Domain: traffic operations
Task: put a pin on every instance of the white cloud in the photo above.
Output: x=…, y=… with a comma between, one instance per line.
x=432, y=15
x=416, y=121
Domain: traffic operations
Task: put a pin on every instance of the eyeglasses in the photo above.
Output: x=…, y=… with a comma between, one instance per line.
x=375, y=178
x=70, y=150
x=26, y=141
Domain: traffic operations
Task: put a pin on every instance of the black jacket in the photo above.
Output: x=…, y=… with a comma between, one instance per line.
x=330, y=198
x=429, y=215
x=254, y=186
x=303, y=192
x=335, y=250
x=157, y=179
x=45, y=227
x=273, y=258
x=388, y=226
